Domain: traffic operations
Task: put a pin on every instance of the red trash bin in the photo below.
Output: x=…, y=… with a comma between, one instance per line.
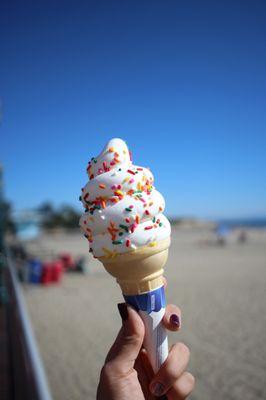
x=67, y=260
x=57, y=271
x=47, y=272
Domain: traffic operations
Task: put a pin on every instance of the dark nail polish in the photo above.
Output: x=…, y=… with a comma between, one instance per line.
x=157, y=388
x=174, y=319
x=122, y=308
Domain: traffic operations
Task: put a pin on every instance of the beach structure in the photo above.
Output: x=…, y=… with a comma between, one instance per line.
x=27, y=224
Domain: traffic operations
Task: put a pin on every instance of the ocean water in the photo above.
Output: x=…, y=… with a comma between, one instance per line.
x=244, y=222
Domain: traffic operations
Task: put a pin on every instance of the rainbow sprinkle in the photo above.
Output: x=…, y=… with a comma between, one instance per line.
x=148, y=227
x=124, y=227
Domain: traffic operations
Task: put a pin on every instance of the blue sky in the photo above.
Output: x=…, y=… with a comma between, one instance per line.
x=183, y=83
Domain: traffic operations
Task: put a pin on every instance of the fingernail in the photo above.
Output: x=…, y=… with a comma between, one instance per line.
x=157, y=388
x=122, y=308
x=174, y=320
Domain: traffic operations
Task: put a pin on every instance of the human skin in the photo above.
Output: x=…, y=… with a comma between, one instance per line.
x=127, y=373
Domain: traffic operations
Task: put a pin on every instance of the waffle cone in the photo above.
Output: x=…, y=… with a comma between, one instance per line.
x=139, y=271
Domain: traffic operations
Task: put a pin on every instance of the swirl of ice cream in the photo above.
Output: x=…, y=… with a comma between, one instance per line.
x=123, y=211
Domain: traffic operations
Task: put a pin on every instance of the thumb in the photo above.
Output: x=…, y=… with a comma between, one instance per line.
x=122, y=355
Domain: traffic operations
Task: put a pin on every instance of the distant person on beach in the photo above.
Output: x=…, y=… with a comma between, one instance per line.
x=222, y=233
x=242, y=238
x=127, y=374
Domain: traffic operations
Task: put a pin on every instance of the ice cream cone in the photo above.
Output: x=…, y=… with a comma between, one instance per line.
x=140, y=271
x=128, y=232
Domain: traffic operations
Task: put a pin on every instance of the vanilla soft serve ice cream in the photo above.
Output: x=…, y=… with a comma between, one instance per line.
x=123, y=210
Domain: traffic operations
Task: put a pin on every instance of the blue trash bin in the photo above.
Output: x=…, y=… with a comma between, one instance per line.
x=35, y=271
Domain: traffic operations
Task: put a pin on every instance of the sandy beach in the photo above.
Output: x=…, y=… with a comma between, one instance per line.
x=221, y=291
